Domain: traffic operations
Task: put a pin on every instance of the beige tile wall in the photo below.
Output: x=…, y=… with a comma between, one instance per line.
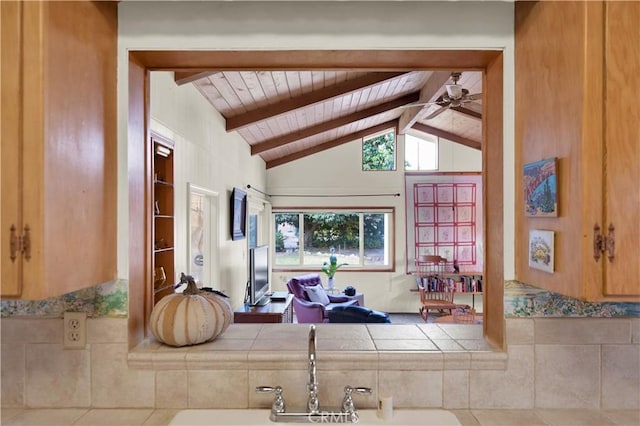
x=551, y=363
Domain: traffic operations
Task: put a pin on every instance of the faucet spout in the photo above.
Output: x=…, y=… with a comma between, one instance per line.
x=313, y=404
x=312, y=342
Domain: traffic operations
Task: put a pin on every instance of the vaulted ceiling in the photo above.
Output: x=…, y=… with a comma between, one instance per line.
x=287, y=115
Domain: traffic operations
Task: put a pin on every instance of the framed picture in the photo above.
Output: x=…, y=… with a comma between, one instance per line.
x=541, y=251
x=540, y=189
x=238, y=214
x=445, y=212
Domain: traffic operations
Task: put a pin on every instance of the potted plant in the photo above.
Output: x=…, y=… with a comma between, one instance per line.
x=331, y=267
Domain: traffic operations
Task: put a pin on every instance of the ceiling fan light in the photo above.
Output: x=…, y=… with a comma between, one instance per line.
x=454, y=91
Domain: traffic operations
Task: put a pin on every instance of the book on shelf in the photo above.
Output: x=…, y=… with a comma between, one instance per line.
x=464, y=284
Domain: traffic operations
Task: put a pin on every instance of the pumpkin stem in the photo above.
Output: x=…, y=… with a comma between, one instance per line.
x=192, y=288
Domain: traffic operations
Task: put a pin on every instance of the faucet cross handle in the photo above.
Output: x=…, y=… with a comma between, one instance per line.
x=347, y=403
x=278, y=405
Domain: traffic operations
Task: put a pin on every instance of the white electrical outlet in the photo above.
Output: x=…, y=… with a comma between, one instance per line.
x=75, y=330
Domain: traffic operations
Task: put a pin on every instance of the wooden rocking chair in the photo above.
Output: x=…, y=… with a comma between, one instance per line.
x=435, y=300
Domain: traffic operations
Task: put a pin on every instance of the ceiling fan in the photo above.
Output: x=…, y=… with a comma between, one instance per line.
x=455, y=96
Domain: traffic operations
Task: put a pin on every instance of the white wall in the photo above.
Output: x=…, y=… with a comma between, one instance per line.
x=458, y=158
x=332, y=25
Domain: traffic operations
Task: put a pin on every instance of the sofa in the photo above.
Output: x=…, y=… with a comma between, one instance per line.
x=357, y=314
x=311, y=303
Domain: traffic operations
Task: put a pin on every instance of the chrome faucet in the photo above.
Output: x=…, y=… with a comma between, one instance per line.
x=313, y=404
x=312, y=414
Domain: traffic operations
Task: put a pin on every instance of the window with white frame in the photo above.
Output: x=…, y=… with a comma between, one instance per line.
x=420, y=152
x=361, y=238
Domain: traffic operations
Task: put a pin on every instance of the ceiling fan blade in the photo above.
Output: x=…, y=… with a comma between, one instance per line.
x=474, y=97
x=437, y=112
x=473, y=105
x=421, y=104
x=442, y=100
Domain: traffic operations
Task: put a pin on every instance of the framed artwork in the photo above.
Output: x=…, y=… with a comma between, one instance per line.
x=445, y=212
x=238, y=214
x=541, y=189
x=541, y=251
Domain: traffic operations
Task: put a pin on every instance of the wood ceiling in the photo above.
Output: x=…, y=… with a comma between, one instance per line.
x=287, y=115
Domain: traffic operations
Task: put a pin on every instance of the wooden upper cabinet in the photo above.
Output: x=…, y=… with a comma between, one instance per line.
x=576, y=100
x=59, y=162
x=622, y=146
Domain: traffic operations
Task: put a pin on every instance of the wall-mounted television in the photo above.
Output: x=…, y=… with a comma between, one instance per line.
x=259, y=275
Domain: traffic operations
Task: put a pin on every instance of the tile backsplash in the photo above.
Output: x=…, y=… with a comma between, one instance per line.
x=523, y=300
x=582, y=363
x=108, y=300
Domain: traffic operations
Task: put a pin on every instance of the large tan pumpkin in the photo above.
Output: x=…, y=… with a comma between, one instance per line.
x=191, y=317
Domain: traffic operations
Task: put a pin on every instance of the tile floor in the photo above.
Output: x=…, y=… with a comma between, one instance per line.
x=403, y=318
x=138, y=417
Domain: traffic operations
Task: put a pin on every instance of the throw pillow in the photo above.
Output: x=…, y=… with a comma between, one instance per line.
x=317, y=294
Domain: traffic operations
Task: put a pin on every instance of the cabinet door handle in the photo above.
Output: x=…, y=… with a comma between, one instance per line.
x=610, y=243
x=598, y=242
x=602, y=243
x=14, y=243
x=26, y=242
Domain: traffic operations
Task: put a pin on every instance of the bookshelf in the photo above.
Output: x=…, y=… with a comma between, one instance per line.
x=163, y=271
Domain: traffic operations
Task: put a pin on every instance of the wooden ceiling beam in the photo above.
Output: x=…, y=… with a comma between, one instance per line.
x=294, y=60
x=332, y=144
x=468, y=112
x=288, y=105
x=333, y=124
x=429, y=93
x=447, y=135
x=184, y=77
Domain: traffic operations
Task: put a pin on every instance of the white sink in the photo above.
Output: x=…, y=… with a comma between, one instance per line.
x=236, y=417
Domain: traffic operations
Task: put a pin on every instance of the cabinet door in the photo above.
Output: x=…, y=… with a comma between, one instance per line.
x=10, y=111
x=622, y=149
x=59, y=145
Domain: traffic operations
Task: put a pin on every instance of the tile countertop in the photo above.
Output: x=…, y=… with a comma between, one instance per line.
x=356, y=346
